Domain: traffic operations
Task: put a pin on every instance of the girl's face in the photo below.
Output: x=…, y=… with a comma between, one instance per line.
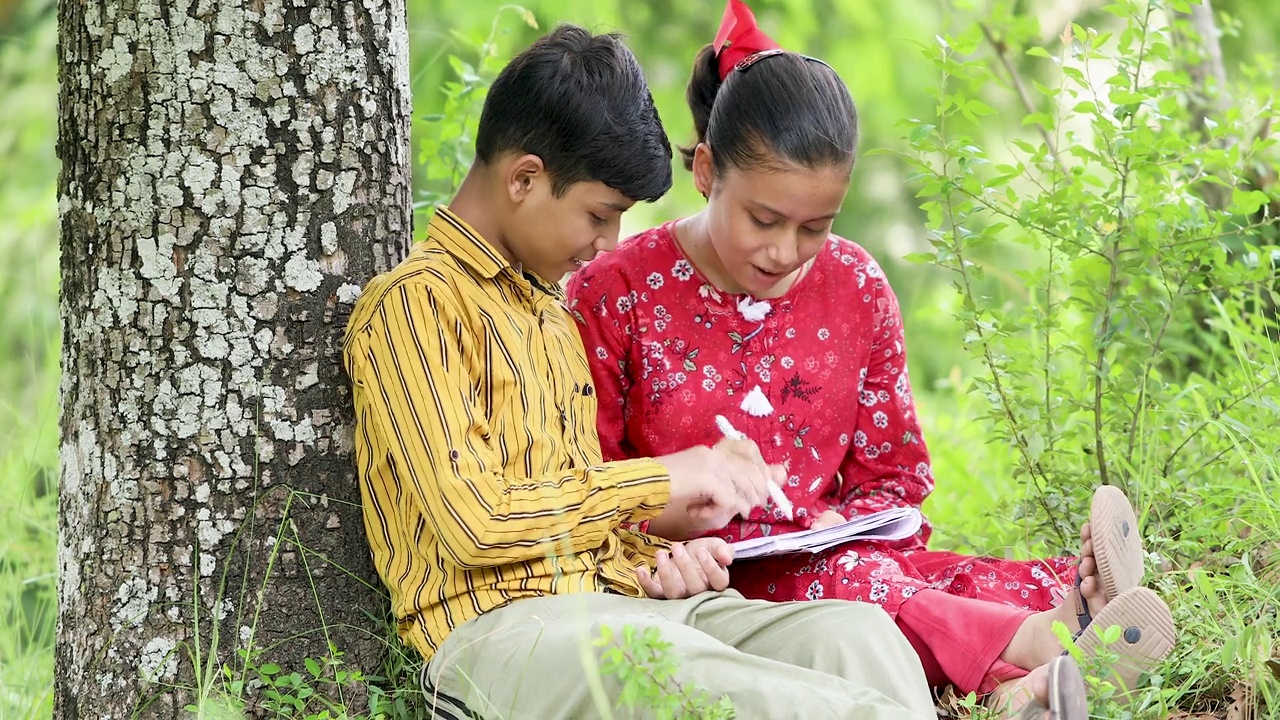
x=765, y=224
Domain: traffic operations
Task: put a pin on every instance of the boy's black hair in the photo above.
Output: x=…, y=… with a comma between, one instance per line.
x=784, y=106
x=580, y=102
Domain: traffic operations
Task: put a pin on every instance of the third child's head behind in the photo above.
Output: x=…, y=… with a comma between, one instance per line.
x=568, y=139
x=776, y=147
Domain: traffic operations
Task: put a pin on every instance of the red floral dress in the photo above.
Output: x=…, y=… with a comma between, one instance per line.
x=818, y=378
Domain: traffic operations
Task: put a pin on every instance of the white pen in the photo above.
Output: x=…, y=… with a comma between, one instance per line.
x=775, y=492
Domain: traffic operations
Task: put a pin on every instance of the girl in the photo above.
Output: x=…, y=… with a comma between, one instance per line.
x=753, y=310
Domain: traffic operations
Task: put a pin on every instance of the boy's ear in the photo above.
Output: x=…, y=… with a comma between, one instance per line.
x=703, y=169
x=523, y=175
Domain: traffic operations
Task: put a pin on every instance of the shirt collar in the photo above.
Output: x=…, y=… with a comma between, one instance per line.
x=463, y=242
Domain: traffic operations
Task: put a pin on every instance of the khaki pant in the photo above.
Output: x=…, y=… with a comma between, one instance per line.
x=535, y=659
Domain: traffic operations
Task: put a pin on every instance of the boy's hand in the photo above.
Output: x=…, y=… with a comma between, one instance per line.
x=828, y=518
x=711, y=485
x=690, y=568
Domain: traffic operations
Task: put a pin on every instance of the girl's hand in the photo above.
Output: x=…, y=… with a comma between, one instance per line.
x=828, y=518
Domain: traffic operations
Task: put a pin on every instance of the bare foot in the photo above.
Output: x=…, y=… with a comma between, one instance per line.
x=1010, y=697
x=1034, y=644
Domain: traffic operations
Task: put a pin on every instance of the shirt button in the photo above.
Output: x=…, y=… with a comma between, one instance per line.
x=588, y=390
x=453, y=455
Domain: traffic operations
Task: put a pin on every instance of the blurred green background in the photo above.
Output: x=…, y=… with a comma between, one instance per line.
x=873, y=45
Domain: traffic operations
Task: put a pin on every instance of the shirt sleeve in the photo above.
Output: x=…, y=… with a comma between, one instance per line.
x=887, y=463
x=411, y=384
x=589, y=293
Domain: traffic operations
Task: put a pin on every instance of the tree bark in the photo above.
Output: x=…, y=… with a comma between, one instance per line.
x=232, y=173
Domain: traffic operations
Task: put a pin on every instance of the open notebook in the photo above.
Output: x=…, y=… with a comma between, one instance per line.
x=892, y=524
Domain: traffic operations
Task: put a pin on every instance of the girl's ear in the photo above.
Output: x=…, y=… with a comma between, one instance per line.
x=704, y=171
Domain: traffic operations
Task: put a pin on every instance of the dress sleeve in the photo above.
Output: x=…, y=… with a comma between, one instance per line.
x=597, y=297
x=887, y=463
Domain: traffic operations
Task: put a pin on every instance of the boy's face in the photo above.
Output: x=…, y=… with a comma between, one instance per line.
x=552, y=236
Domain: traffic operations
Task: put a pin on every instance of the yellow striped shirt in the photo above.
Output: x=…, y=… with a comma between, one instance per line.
x=476, y=445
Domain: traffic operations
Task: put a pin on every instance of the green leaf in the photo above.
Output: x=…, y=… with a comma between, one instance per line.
x=1248, y=202
x=920, y=132
x=313, y=667
x=920, y=258
x=1035, y=445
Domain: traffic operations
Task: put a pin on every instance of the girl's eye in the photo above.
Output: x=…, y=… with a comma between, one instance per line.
x=762, y=224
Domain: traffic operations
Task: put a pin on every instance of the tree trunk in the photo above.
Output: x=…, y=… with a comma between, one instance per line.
x=232, y=173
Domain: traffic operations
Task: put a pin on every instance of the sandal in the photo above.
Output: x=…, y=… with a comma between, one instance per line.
x=1146, y=635
x=1117, y=548
x=1067, y=695
x=1147, y=625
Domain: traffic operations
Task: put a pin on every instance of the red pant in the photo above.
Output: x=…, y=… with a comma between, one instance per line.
x=959, y=639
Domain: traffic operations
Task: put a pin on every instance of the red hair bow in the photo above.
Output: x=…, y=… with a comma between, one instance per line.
x=739, y=37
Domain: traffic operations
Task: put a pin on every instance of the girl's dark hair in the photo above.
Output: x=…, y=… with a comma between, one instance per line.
x=782, y=107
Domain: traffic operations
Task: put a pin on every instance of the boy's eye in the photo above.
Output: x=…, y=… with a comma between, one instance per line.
x=597, y=220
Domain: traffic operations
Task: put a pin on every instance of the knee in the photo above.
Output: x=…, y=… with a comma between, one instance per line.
x=858, y=628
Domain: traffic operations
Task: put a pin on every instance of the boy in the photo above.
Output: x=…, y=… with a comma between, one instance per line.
x=492, y=519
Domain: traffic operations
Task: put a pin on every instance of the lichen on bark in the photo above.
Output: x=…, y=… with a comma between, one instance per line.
x=233, y=172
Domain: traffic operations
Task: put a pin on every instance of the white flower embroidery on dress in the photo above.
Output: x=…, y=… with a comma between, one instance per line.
x=756, y=404
x=815, y=590
x=655, y=280
x=752, y=310
x=849, y=560
x=823, y=333
x=787, y=362
x=879, y=592
x=682, y=270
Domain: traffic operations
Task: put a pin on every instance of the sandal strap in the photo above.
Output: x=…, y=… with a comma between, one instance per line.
x=1082, y=609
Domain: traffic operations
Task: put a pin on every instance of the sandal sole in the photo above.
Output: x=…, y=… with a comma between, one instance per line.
x=1146, y=635
x=1068, y=699
x=1117, y=543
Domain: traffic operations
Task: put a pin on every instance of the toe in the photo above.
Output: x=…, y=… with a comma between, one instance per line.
x=1092, y=590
